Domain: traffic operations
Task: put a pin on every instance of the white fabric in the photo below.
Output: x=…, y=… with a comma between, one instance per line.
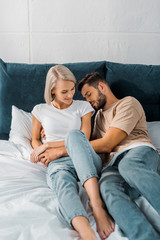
x=57, y=122
x=154, y=133
x=28, y=207
x=21, y=128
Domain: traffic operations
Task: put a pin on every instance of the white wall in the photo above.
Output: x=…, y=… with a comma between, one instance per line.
x=60, y=31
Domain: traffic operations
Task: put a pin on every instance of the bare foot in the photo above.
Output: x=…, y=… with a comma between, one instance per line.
x=105, y=224
x=82, y=226
x=90, y=235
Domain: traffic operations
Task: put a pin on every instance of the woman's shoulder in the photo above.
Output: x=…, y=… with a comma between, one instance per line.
x=81, y=103
x=83, y=106
x=40, y=106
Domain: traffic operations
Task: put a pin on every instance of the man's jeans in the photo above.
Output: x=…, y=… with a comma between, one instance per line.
x=64, y=173
x=135, y=171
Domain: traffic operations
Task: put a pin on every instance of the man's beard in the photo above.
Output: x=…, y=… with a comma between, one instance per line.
x=101, y=101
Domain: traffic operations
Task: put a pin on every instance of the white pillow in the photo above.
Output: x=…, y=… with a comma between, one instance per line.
x=21, y=128
x=154, y=134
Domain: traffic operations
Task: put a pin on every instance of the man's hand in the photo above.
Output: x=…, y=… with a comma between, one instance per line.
x=36, y=152
x=52, y=154
x=43, y=134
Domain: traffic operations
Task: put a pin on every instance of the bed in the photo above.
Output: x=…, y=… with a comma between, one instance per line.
x=28, y=208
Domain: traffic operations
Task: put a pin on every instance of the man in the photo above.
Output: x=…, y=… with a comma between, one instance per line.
x=130, y=160
x=120, y=132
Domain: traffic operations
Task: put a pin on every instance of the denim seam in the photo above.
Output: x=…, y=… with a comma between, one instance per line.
x=77, y=214
x=87, y=177
x=66, y=217
x=88, y=147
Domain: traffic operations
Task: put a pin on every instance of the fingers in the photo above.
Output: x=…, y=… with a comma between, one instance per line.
x=43, y=134
x=34, y=157
x=44, y=159
x=41, y=156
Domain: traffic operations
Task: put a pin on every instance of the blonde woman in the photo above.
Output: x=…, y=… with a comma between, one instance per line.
x=60, y=115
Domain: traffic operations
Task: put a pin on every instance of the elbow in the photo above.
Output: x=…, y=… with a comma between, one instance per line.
x=106, y=149
x=32, y=143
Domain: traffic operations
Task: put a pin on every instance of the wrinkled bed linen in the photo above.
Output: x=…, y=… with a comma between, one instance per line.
x=29, y=209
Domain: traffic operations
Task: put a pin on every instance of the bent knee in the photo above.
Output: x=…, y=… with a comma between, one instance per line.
x=124, y=166
x=72, y=136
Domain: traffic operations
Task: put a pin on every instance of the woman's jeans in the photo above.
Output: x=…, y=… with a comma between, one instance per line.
x=135, y=171
x=64, y=173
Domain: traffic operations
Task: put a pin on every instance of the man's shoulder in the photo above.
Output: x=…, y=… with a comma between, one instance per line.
x=129, y=100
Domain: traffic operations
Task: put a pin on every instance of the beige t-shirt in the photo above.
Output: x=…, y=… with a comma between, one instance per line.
x=126, y=114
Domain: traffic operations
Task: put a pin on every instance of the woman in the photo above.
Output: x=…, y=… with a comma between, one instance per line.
x=60, y=115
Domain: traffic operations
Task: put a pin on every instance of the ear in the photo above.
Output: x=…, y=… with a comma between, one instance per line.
x=101, y=87
x=52, y=91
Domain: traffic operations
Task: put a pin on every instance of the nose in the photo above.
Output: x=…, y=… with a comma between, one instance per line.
x=70, y=94
x=87, y=99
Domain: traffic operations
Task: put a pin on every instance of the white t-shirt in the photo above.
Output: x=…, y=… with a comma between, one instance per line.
x=57, y=122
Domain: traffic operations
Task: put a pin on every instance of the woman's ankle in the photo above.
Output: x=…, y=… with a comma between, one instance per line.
x=82, y=226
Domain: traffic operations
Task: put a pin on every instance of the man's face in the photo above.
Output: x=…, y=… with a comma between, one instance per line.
x=94, y=96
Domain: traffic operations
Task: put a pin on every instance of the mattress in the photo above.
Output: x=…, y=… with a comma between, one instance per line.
x=29, y=209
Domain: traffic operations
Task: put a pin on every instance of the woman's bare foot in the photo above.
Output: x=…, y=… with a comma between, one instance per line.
x=82, y=226
x=89, y=235
x=105, y=224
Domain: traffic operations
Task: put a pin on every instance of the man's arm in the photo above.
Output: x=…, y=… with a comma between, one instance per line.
x=52, y=154
x=86, y=124
x=111, y=139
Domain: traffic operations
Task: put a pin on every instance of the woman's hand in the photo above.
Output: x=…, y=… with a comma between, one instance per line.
x=36, y=152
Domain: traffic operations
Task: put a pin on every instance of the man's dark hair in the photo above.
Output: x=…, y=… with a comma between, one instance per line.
x=91, y=79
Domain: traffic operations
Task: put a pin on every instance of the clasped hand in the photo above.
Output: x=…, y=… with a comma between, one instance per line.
x=45, y=156
x=36, y=152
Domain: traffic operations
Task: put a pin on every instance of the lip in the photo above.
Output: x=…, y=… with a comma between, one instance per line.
x=93, y=104
x=68, y=99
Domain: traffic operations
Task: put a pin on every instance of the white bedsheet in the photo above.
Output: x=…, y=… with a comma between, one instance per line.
x=29, y=209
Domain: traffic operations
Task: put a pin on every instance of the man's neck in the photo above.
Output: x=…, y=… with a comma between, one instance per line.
x=110, y=101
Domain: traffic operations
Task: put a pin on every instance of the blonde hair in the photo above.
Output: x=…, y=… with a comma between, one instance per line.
x=55, y=73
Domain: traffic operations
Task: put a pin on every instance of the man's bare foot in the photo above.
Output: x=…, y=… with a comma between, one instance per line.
x=105, y=224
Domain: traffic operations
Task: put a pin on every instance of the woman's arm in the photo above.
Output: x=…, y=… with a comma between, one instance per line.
x=86, y=125
x=36, y=130
x=36, y=142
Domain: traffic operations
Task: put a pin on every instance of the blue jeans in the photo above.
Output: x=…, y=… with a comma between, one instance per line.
x=64, y=173
x=133, y=173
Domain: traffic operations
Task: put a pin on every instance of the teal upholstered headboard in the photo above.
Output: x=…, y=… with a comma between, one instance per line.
x=137, y=80
x=22, y=85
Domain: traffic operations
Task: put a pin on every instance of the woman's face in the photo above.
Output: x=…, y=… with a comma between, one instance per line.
x=64, y=91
